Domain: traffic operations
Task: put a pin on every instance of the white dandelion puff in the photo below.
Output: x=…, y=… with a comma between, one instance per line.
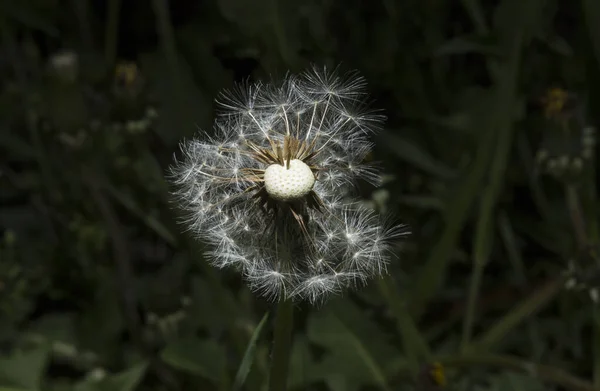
x=269, y=190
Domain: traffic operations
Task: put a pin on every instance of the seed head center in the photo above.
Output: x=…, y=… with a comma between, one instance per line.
x=289, y=183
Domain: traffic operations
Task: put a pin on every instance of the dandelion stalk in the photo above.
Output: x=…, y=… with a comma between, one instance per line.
x=269, y=192
x=282, y=346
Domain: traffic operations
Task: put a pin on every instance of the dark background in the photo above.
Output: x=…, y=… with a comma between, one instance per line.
x=489, y=156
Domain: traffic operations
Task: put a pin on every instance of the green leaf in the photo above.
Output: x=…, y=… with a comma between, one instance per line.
x=248, y=359
x=357, y=349
x=102, y=320
x=24, y=369
x=124, y=381
x=303, y=370
x=422, y=202
x=55, y=327
x=591, y=10
x=497, y=120
x=464, y=45
x=131, y=204
x=199, y=357
x=35, y=18
x=188, y=108
x=413, y=154
x=517, y=382
x=253, y=18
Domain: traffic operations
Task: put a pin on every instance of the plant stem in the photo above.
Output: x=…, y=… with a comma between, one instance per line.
x=111, y=33
x=515, y=257
x=282, y=346
x=472, y=298
x=596, y=347
x=576, y=214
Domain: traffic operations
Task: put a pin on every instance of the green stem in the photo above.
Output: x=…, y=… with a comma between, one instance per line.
x=514, y=256
x=477, y=15
x=111, y=32
x=596, y=348
x=576, y=214
x=167, y=36
x=282, y=346
x=472, y=298
x=485, y=223
x=280, y=35
x=52, y=187
x=83, y=19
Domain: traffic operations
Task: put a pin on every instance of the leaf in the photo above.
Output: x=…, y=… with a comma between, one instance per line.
x=477, y=14
x=496, y=119
x=14, y=147
x=249, y=355
x=559, y=45
x=517, y=382
x=100, y=324
x=127, y=380
x=251, y=17
x=131, y=204
x=357, y=349
x=55, y=327
x=206, y=310
x=416, y=156
x=187, y=108
x=196, y=48
x=591, y=10
x=24, y=369
x=199, y=357
x=464, y=45
x=422, y=202
x=35, y=19
x=124, y=381
x=303, y=370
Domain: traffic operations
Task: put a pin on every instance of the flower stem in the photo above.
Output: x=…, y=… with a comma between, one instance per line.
x=282, y=346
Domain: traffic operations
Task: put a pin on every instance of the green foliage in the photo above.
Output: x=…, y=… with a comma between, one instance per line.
x=200, y=357
x=24, y=370
x=358, y=353
x=123, y=381
x=488, y=152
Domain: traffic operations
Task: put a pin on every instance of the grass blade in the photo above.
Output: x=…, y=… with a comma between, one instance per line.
x=249, y=355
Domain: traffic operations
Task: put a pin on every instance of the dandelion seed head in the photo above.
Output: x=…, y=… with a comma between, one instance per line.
x=269, y=189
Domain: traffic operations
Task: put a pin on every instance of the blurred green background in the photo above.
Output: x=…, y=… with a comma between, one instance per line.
x=489, y=155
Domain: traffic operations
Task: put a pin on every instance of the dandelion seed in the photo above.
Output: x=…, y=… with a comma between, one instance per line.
x=269, y=191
